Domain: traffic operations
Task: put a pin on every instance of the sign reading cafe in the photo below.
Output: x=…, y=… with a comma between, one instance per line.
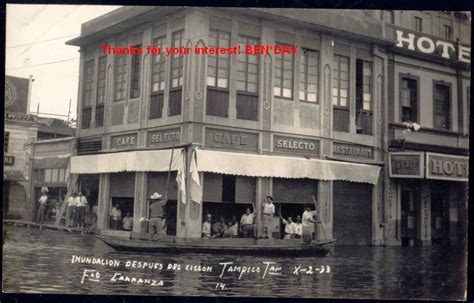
x=431, y=46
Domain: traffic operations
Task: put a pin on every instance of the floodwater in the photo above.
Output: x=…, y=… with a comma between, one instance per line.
x=40, y=261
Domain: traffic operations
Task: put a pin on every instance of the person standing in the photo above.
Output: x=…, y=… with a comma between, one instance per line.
x=290, y=228
x=71, y=204
x=157, y=213
x=81, y=204
x=116, y=216
x=308, y=223
x=43, y=200
x=206, y=227
x=127, y=222
x=247, y=224
x=268, y=213
x=298, y=227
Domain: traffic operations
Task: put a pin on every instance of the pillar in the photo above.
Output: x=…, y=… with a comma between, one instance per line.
x=103, y=203
x=325, y=206
x=424, y=216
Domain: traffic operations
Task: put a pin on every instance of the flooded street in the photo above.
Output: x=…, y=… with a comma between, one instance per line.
x=39, y=261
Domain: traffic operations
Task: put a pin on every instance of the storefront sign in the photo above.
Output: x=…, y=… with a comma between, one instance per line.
x=8, y=160
x=123, y=141
x=406, y=165
x=55, y=162
x=447, y=167
x=355, y=151
x=16, y=94
x=164, y=137
x=227, y=139
x=291, y=145
x=431, y=46
x=17, y=117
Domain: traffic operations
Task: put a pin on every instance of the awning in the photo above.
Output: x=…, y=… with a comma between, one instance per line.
x=131, y=161
x=284, y=167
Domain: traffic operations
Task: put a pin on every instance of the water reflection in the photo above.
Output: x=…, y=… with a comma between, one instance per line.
x=40, y=262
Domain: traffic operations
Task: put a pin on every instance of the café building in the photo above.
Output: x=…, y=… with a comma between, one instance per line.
x=428, y=128
x=233, y=129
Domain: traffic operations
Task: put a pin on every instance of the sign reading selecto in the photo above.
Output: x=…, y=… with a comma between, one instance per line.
x=8, y=160
x=123, y=141
x=406, y=165
x=427, y=45
x=227, y=139
x=355, y=151
x=164, y=137
x=292, y=145
x=447, y=167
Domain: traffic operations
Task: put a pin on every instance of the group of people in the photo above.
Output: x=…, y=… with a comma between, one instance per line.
x=301, y=227
x=77, y=206
x=119, y=223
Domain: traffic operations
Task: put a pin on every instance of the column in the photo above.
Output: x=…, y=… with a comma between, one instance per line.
x=103, y=203
x=325, y=206
x=424, y=216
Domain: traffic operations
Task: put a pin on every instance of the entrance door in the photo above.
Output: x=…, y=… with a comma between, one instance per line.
x=440, y=213
x=409, y=199
x=352, y=213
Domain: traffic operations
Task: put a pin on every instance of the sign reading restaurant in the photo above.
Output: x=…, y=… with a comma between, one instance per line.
x=355, y=151
x=406, y=165
x=433, y=46
x=447, y=167
x=292, y=145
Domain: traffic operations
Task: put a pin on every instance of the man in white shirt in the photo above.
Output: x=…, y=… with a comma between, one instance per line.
x=43, y=200
x=116, y=216
x=206, y=227
x=81, y=204
x=247, y=228
x=268, y=212
x=298, y=227
x=127, y=222
x=290, y=228
x=71, y=205
x=308, y=223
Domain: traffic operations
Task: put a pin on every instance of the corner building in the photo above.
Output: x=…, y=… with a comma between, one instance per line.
x=289, y=126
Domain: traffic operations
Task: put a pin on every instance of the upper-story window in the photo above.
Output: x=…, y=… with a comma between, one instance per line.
x=120, y=77
x=158, y=79
x=6, y=141
x=417, y=24
x=247, y=81
x=136, y=74
x=218, y=64
x=364, y=104
x=340, y=93
x=309, y=76
x=100, y=100
x=409, y=100
x=283, y=79
x=176, y=79
x=87, y=98
x=447, y=31
x=218, y=76
x=442, y=106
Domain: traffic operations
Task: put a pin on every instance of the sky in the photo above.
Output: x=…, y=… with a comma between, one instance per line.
x=31, y=41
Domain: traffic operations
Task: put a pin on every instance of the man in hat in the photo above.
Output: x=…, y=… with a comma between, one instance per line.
x=308, y=223
x=157, y=213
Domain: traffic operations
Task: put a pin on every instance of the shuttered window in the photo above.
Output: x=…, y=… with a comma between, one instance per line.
x=283, y=77
x=309, y=76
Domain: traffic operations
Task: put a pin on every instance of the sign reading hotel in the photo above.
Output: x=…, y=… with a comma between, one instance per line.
x=406, y=165
x=292, y=145
x=164, y=137
x=227, y=139
x=124, y=141
x=433, y=46
x=355, y=151
x=8, y=160
x=447, y=167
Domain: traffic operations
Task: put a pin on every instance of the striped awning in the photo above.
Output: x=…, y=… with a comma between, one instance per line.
x=284, y=167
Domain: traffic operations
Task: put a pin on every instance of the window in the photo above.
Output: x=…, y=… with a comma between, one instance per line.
x=340, y=93
x=177, y=61
x=136, y=74
x=88, y=94
x=442, y=106
x=418, y=24
x=99, y=108
x=6, y=141
x=283, y=82
x=218, y=65
x=447, y=32
x=176, y=79
x=364, y=102
x=409, y=100
x=340, y=87
x=158, y=68
x=247, y=81
x=309, y=76
x=120, y=77
x=217, y=103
